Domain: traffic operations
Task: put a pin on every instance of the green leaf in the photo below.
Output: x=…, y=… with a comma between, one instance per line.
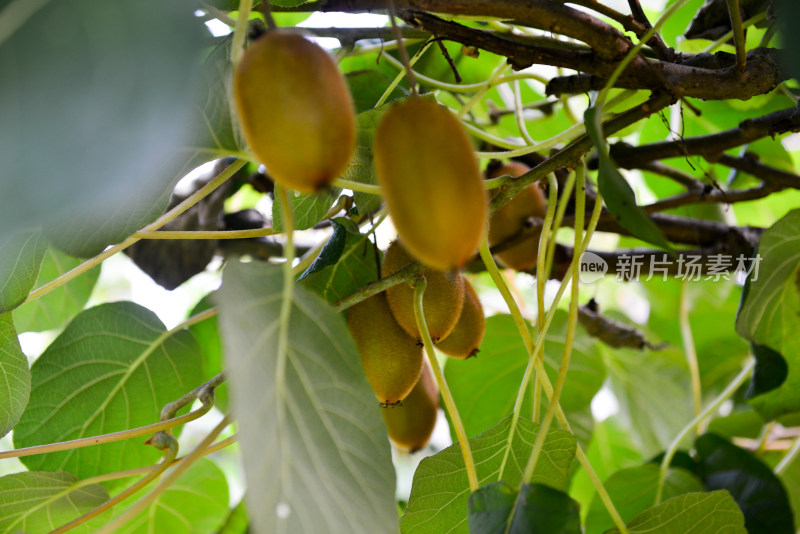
x=112, y=368
x=332, y=250
x=440, y=491
x=536, y=509
x=196, y=502
x=485, y=387
x=236, y=522
x=54, y=309
x=315, y=448
x=618, y=195
x=38, y=502
x=633, y=491
x=357, y=266
x=20, y=259
x=755, y=488
x=698, y=513
x=289, y=3
x=15, y=377
x=97, y=98
x=307, y=208
x=770, y=310
x=367, y=87
x=360, y=169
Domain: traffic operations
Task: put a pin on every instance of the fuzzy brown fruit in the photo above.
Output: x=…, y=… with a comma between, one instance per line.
x=431, y=182
x=465, y=339
x=411, y=423
x=441, y=303
x=295, y=110
x=392, y=360
x=511, y=218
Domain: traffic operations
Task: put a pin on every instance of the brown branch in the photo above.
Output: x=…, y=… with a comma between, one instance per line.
x=656, y=42
x=710, y=146
x=708, y=195
x=771, y=176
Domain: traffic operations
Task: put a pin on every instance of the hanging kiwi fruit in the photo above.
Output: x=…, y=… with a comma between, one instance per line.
x=465, y=339
x=511, y=219
x=392, y=360
x=441, y=302
x=411, y=423
x=295, y=110
x=431, y=182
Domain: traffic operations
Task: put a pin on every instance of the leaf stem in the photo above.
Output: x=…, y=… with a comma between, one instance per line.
x=690, y=351
x=190, y=201
x=685, y=431
x=357, y=186
x=240, y=31
x=738, y=34
x=447, y=397
x=154, y=472
x=788, y=458
x=206, y=234
x=164, y=424
x=402, y=72
x=167, y=481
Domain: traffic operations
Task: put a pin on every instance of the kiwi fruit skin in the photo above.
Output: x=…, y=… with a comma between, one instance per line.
x=392, y=360
x=411, y=423
x=295, y=110
x=510, y=219
x=465, y=339
x=441, y=302
x=431, y=182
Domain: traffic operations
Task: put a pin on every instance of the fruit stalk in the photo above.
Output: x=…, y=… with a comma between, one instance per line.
x=447, y=397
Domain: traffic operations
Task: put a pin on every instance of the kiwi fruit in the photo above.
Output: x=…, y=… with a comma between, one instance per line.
x=511, y=219
x=441, y=303
x=295, y=110
x=410, y=424
x=465, y=339
x=431, y=182
x=392, y=360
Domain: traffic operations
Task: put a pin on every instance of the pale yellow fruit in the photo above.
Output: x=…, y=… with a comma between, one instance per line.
x=392, y=360
x=441, y=302
x=465, y=339
x=295, y=110
x=511, y=218
x=411, y=423
x=431, y=182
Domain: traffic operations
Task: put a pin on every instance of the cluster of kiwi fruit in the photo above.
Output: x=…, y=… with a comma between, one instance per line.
x=296, y=113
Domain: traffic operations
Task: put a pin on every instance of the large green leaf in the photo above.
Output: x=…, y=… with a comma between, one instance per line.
x=96, y=99
x=315, y=449
x=755, y=488
x=440, y=491
x=535, y=509
x=770, y=311
x=633, y=491
x=693, y=513
x=307, y=208
x=196, y=502
x=15, y=377
x=357, y=265
x=485, y=387
x=38, y=502
x=20, y=259
x=54, y=309
x=207, y=334
x=112, y=368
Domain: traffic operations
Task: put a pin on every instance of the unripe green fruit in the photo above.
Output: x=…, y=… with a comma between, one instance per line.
x=431, y=182
x=295, y=110
x=392, y=360
x=411, y=423
x=511, y=218
x=465, y=339
x=441, y=302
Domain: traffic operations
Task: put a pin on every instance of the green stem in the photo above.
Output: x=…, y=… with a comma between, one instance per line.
x=790, y=457
x=561, y=379
x=738, y=34
x=402, y=72
x=447, y=397
x=523, y=128
x=161, y=221
x=403, y=275
x=205, y=234
x=166, y=482
x=562, y=208
x=357, y=186
x=709, y=410
x=690, y=351
x=240, y=31
x=154, y=472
